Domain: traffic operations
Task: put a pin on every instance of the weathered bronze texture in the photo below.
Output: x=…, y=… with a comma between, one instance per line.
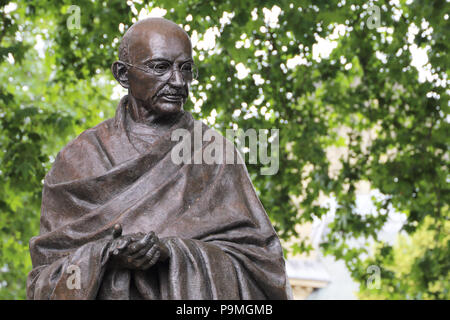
x=131, y=222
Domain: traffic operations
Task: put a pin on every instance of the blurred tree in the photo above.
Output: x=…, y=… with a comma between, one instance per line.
x=416, y=268
x=262, y=68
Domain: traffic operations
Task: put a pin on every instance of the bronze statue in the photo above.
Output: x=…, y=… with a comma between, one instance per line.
x=121, y=220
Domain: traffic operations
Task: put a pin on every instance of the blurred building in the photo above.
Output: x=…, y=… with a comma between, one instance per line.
x=318, y=277
x=314, y=276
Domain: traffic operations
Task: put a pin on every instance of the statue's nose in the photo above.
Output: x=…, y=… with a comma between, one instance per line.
x=177, y=79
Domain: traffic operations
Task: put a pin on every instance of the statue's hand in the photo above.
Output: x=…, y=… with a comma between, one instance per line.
x=139, y=253
x=119, y=245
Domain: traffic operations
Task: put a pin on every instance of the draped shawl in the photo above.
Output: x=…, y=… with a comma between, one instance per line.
x=221, y=242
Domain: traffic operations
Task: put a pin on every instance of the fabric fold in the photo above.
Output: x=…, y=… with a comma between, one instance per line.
x=222, y=243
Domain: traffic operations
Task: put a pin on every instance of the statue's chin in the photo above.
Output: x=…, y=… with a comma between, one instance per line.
x=166, y=105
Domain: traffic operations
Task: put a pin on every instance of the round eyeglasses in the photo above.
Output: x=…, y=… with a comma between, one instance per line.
x=165, y=69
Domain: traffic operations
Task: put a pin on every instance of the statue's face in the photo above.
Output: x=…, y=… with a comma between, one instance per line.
x=148, y=48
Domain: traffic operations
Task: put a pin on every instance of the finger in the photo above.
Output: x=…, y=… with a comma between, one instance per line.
x=151, y=243
x=156, y=256
x=136, y=246
x=117, y=230
x=152, y=261
x=147, y=256
x=137, y=236
x=123, y=243
x=142, y=256
x=118, y=245
x=113, y=246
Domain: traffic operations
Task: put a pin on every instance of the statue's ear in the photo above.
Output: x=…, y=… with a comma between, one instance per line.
x=120, y=72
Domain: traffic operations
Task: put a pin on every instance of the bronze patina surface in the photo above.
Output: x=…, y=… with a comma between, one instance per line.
x=136, y=225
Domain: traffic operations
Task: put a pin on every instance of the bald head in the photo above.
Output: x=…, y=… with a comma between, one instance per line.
x=149, y=33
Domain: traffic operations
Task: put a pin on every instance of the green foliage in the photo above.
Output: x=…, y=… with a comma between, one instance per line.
x=367, y=86
x=416, y=268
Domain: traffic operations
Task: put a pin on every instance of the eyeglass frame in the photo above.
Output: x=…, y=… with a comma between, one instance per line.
x=171, y=69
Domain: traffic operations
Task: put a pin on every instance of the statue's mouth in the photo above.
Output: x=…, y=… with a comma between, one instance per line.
x=173, y=97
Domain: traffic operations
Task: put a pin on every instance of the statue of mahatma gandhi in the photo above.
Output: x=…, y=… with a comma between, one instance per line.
x=121, y=220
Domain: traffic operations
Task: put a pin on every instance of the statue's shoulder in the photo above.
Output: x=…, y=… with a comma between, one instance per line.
x=84, y=155
x=89, y=138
